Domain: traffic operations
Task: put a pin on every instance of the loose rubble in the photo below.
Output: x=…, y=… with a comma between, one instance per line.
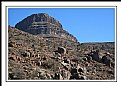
x=29, y=62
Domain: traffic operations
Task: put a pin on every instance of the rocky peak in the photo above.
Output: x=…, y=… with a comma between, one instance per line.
x=44, y=25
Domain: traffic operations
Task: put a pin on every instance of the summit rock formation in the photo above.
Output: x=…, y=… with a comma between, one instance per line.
x=44, y=25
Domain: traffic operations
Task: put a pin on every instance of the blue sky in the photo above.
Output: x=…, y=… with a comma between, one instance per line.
x=86, y=24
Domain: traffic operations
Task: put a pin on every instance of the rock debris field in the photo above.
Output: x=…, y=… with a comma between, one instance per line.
x=36, y=58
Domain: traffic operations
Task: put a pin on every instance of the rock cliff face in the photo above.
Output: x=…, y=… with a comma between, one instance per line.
x=44, y=25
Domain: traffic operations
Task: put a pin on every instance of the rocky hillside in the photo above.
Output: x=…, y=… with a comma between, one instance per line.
x=34, y=57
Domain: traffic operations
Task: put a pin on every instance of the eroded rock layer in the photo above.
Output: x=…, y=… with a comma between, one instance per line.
x=44, y=25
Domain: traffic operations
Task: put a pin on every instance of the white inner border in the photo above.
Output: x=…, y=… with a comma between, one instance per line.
x=44, y=4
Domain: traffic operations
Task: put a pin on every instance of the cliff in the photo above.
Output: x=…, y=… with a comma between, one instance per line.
x=44, y=25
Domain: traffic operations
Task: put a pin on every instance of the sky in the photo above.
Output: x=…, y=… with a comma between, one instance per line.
x=86, y=24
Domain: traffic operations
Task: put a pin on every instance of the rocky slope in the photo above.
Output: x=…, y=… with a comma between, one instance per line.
x=31, y=57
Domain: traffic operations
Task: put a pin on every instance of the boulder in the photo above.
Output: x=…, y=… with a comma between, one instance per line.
x=11, y=44
x=26, y=54
x=57, y=76
x=12, y=58
x=106, y=60
x=95, y=55
x=61, y=50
